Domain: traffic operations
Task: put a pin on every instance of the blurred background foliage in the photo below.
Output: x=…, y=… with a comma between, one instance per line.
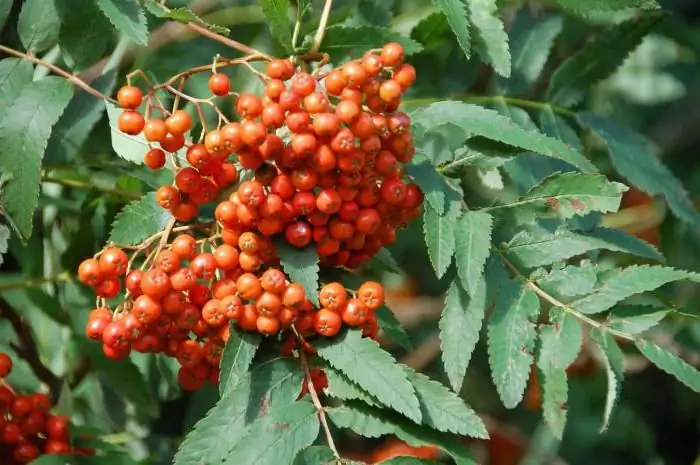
x=656, y=91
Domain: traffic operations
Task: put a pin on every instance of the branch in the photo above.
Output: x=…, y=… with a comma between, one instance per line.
x=314, y=396
x=85, y=185
x=321, y=31
x=33, y=282
x=27, y=349
x=76, y=81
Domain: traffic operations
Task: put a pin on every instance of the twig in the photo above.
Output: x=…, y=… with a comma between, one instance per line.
x=321, y=31
x=33, y=282
x=76, y=81
x=27, y=349
x=226, y=41
x=314, y=396
x=566, y=307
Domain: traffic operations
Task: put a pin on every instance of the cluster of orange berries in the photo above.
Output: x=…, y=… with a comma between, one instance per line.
x=183, y=304
x=327, y=152
x=27, y=428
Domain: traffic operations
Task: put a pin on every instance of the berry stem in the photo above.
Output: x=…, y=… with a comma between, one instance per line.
x=321, y=31
x=76, y=81
x=314, y=395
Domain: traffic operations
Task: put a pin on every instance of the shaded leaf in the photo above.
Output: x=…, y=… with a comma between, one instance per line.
x=270, y=385
x=604, y=6
x=84, y=37
x=531, y=250
x=277, y=437
x=438, y=194
x=371, y=368
x=490, y=39
x=392, y=327
x=460, y=325
x=341, y=41
x=633, y=158
x=670, y=363
x=23, y=139
x=38, y=25
x=4, y=237
x=238, y=355
x=598, y=59
x=622, y=283
x=479, y=121
x=5, y=7
x=277, y=14
x=564, y=195
x=531, y=40
x=472, y=247
x=128, y=17
x=123, y=376
x=76, y=123
x=614, y=366
x=511, y=338
x=439, y=234
x=557, y=127
x=455, y=12
x=301, y=265
x=139, y=220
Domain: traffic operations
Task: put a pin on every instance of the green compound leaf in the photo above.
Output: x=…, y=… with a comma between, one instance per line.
x=273, y=384
x=511, y=340
x=564, y=195
x=531, y=250
x=460, y=325
x=443, y=410
x=634, y=159
x=479, y=121
x=139, y=220
x=371, y=368
x=278, y=436
x=622, y=283
x=24, y=133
